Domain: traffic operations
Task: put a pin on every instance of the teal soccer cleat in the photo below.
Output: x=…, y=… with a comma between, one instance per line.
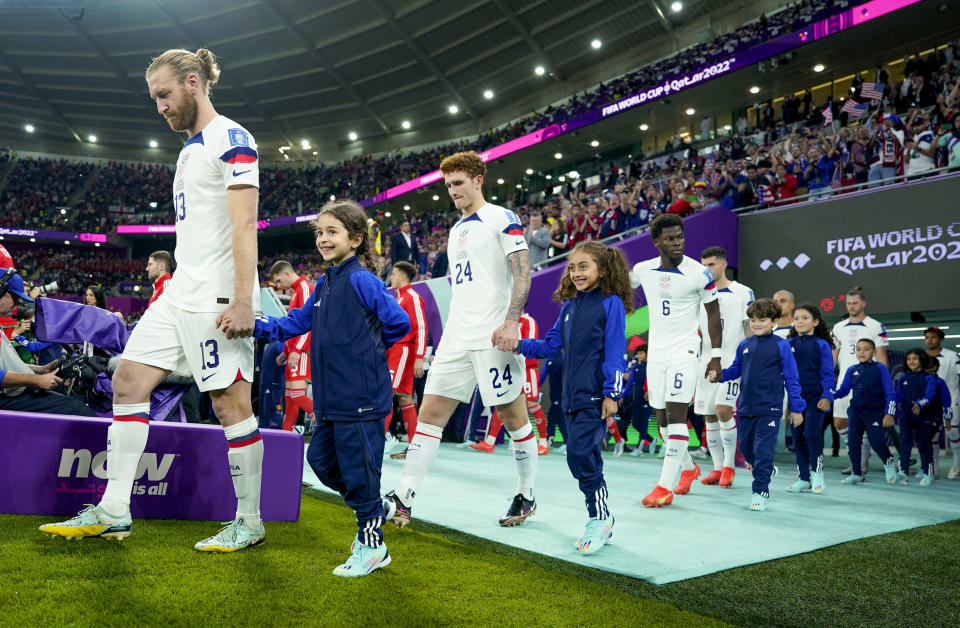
x=235, y=535
x=91, y=522
x=363, y=560
x=597, y=534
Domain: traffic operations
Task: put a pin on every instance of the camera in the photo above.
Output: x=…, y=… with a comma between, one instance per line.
x=48, y=288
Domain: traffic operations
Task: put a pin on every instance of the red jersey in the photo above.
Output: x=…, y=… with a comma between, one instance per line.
x=529, y=329
x=158, y=287
x=412, y=304
x=7, y=322
x=301, y=292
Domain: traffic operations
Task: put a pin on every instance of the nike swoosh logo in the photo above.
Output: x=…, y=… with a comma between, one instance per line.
x=203, y=379
x=237, y=174
x=518, y=242
x=503, y=393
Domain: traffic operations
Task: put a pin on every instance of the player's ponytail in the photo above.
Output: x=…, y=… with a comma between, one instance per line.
x=183, y=63
x=354, y=220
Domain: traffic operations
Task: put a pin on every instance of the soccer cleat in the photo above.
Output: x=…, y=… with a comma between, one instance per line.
x=926, y=480
x=686, y=479
x=483, y=446
x=848, y=470
x=954, y=472
x=563, y=449
x=618, y=448
x=235, y=535
x=464, y=444
x=890, y=472
x=638, y=451
x=400, y=455
x=852, y=479
x=658, y=497
x=800, y=486
x=391, y=444
x=395, y=510
x=699, y=453
x=726, y=477
x=816, y=482
x=758, y=503
x=520, y=508
x=597, y=534
x=712, y=478
x=363, y=560
x=903, y=478
x=543, y=450
x=90, y=522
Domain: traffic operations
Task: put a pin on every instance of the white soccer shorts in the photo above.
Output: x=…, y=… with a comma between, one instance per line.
x=672, y=382
x=188, y=343
x=709, y=396
x=456, y=373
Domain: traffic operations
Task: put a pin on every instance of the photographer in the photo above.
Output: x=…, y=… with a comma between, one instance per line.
x=25, y=387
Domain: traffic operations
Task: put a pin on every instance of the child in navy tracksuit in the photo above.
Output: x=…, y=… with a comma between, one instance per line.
x=353, y=319
x=766, y=365
x=596, y=295
x=813, y=351
x=552, y=373
x=872, y=408
x=916, y=389
x=941, y=412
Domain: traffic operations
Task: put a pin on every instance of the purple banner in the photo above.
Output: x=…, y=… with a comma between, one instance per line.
x=53, y=235
x=53, y=465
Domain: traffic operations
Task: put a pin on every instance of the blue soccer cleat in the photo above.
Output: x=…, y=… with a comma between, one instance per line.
x=91, y=522
x=363, y=560
x=597, y=534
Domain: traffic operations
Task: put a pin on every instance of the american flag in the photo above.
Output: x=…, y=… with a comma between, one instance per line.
x=764, y=194
x=835, y=180
x=827, y=116
x=854, y=108
x=873, y=91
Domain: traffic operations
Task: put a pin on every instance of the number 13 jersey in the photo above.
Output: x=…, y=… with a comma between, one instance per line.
x=480, y=277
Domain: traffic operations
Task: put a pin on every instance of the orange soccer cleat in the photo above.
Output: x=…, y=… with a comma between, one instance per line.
x=659, y=496
x=542, y=450
x=483, y=446
x=686, y=479
x=712, y=478
x=726, y=478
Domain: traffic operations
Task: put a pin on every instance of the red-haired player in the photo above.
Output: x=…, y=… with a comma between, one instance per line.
x=405, y=358
x=296, y=351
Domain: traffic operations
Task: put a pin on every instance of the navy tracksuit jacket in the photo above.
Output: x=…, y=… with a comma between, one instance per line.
x=765, y=365
x=873, y=397
x=920, y=388
x=353, y=320
x=814, y=358
x=590, y=330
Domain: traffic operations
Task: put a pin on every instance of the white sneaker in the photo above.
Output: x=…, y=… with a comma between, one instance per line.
x=954, y=472
x=391, y=444
x=563, y=449
x=637, y=451
x=235, y=535
x=618, y=448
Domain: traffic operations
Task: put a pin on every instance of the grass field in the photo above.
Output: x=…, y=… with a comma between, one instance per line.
x=442, y=577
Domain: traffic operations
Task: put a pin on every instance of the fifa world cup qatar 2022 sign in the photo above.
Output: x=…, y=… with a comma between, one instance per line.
x=901, y=244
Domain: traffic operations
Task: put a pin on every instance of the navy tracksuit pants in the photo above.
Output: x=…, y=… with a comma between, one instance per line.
x=808, y=440
x=271, y=386
x=346, y=456
x=757, y=436
x=556, y=420
x=872, y=423
x=586, y=432
x=921, y=430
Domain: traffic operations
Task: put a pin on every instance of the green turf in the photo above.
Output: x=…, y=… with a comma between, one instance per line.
x=443, y=577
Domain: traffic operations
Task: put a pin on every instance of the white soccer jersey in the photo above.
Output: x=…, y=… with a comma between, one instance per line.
x=733, y=301
x=480, y=279
x=949, y=372
x=220, y=156
x=782, y=331
x=674, y=298
x=846, y=336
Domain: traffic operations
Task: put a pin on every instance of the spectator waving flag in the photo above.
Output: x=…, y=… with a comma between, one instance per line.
x=828, y=116
x=854, y=108
x=764, y=194
x=835, y=180
x=873, y=91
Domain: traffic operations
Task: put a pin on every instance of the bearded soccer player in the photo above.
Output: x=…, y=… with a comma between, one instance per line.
x=296, y=351
x=490, y=280
x=159, y=271
x=675, y=287
x=189, y=330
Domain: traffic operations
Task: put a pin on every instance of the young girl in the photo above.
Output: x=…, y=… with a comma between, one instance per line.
x=915, y=389
x=595, y=291
x=813, y=350
x=941, y=412
x=353, y=320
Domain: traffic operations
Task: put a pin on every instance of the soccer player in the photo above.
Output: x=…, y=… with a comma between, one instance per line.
x=716, y=402
x=197, y=326
x=846, y=334
x=949, y=365
x=159, y=271
x=490, y=280
x=787, y=302
x=675, y=287
x=296, y=351
x=405, y=358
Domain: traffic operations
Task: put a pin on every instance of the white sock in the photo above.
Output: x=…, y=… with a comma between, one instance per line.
x=715, y=446
x=728, y=437
x=953, y=435
x=843, y=435
x=126, y=440
x=935, y=446
x=245, y=456
x=525, y=455
x=686, y=460
x=675, y=447
x=490, y=439
x=421, y=453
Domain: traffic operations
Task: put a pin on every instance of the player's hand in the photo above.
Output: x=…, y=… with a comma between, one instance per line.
x=712, y=377
x=888, y=420
x=236, y=321
x=915, y=408
x=506, y=337
x=418, y=368
x=609, y=408
x=823, y=405
x=796, y=419
x=281, y=358
x=293, y=360
x=47, y=381
x=49, y=367
x=714, y=365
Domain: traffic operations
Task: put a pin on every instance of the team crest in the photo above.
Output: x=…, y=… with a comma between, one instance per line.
x=238, y=137
x=462, y=236
x=664, y=282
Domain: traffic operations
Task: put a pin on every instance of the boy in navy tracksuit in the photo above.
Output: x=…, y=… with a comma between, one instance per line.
x=941, y=411
x=552, y=372
x=590, y=330
x=872, y=408
x=766, y=365
x=916, y=390
x=638, y=410
x=353, y=319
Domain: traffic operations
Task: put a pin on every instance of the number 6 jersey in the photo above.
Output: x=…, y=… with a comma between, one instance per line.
x=480, y=278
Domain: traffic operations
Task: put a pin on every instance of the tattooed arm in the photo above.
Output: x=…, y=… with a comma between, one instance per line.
x=507, y=336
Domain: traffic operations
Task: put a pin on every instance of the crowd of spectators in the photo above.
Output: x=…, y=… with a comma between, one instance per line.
x=76, y=268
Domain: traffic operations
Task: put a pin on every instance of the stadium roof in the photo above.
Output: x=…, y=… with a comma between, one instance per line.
x=302, y=69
